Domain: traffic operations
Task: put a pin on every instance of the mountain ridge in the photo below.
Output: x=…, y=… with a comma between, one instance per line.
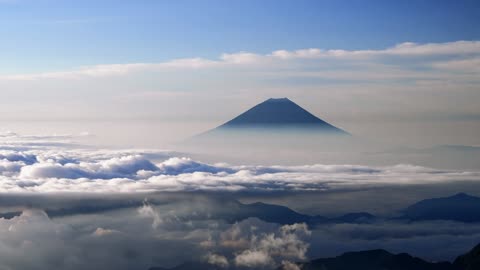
x=459, y=207
x=375, y=259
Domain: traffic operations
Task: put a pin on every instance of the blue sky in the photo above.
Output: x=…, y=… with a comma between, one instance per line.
x=46, y=35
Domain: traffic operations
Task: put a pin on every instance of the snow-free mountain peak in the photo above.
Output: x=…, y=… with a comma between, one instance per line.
x=280, y=112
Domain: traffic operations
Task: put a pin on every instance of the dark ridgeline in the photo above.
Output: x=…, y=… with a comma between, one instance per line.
x=377, y=259
x=279, y=112
x=383, y=260
x=469, y=261
x=460, y=207
x=283, y=215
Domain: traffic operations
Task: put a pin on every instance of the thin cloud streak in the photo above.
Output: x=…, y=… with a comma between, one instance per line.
x=229, y=60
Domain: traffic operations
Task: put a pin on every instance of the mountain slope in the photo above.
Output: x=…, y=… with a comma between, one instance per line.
x=469, y=261
x=234, y=211
x=460, y=207
x=281, y=111
x=383, y=260
x=375, y=260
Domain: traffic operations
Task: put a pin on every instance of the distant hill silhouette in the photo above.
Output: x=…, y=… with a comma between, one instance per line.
x=460, y=207
x=383, y=260
x=378, y=259
x=284, y=215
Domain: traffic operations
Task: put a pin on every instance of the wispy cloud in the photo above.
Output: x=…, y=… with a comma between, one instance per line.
x=462, y=49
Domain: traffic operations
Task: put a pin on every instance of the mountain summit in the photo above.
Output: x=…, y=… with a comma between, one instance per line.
x=280, y=113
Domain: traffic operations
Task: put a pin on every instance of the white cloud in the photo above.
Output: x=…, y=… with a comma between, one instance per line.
x=99, y=232
x=402, y=49
x=286, y=265
x=106, y=70
x=147, y=211
x=241, y=58
x=253, y=258
x=123, y=166
x=266, y=248
x=466, y=65
x=455, y=48
x=124, y=241
x=175, y=165
x=407, y=49
x=65, y=168
x=130, y=238
x=218, y=260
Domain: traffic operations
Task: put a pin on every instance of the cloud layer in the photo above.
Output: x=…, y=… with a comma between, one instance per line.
x=63, y=168
x=227, y=60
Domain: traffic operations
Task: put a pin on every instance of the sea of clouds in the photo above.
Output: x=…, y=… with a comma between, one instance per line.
x=56, y=164
x=74, y=206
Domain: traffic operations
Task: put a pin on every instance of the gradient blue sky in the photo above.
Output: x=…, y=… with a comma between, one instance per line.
x=46, y=35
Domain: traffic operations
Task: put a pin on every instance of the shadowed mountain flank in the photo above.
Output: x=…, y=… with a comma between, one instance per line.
x=383, y=260
x=470, y=260
x=275, y=126
x=460, y=207
x=279, y=112
x=276, y=116
x=375, y=260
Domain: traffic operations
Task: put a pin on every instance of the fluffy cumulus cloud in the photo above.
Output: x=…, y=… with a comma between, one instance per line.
x=148, y=211
x=253, y=258
x=255, y=244
x=119, y=167
x=33, y=233
x=77, y=244
x=217, y=260
x=175, y=166
x=287, y=243
x=286, y=265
